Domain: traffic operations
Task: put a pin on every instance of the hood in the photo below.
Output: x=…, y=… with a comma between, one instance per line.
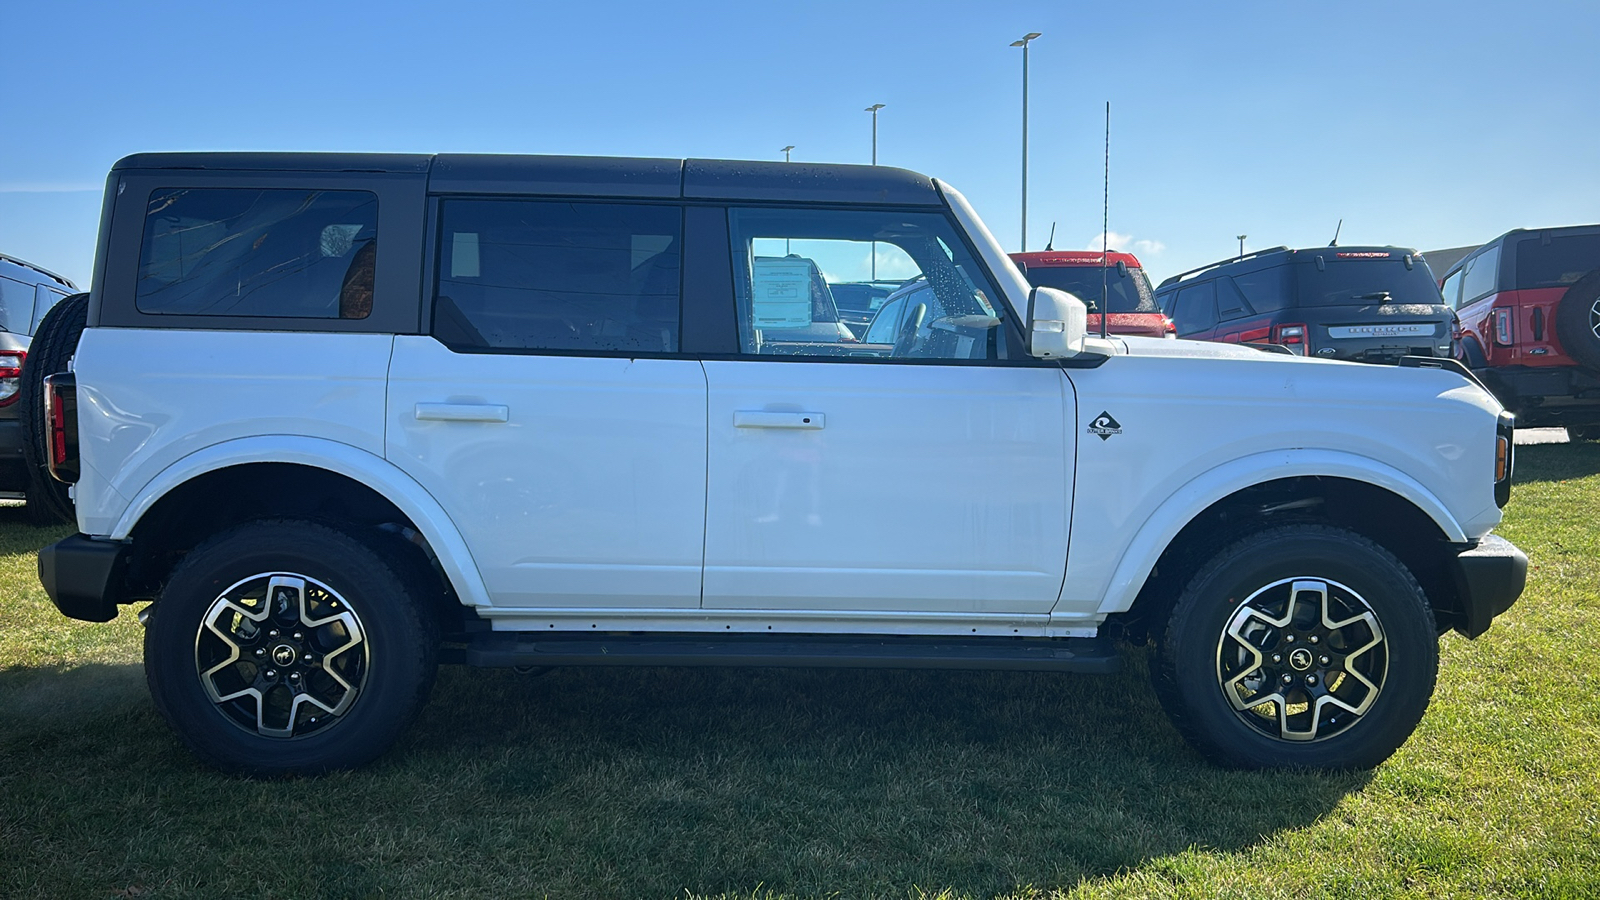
x=1132, y=345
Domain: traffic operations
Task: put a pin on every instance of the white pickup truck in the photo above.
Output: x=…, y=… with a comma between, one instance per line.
x=343, y=417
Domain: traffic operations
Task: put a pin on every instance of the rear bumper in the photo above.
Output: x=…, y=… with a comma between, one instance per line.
x=1489, y=578
x=84, y=577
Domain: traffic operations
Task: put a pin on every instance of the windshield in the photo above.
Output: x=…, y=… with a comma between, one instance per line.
x=1365, y=277
x=1130, y=290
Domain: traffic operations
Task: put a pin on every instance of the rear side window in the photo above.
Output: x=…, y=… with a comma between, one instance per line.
x=1266, y=290
x=555, y=275
x=16, y=306
x=1230, y=303
x=269, y=253
x=1556, y=261
x=1452, y=288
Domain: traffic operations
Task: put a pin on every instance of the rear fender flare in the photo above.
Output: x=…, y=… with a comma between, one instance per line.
x=354, y=463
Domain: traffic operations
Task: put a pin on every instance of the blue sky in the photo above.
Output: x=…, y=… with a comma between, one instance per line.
x=1420, y=124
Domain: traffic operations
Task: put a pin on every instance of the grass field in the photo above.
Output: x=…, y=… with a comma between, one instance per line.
x=778, y=783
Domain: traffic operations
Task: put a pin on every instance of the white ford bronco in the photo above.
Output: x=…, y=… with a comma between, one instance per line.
x=343, y=417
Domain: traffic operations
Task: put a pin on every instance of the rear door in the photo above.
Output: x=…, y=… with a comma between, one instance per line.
x=925, y=475
x=551, y=411
x=1194, y=312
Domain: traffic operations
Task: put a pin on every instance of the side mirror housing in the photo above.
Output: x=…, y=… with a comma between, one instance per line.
x=1057, y=324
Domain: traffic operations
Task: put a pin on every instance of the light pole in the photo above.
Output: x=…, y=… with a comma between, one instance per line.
x=874, y=110
x=1026, y=40
x=1241, y=245
x=785, y=152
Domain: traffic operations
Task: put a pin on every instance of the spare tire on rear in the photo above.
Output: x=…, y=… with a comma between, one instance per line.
x=1578, y=320
x=53, y=345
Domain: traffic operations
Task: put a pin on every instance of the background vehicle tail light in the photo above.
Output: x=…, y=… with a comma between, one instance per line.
x=61, y=418
x=11, y=375
x=1169, y=329
x=1504, y=335
x=1291, y=336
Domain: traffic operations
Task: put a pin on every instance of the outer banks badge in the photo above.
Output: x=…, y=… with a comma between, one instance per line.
x=1105, y=426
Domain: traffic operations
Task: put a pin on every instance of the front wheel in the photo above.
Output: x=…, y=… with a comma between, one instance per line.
x=1301, y=646
x=290, y=647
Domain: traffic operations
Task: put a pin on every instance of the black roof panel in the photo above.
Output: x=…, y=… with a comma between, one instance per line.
x=280, y=162
x=715, y=179
x=619, y=176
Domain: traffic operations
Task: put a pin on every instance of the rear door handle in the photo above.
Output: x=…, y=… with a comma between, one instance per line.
x=750, y=418
x=463, y=412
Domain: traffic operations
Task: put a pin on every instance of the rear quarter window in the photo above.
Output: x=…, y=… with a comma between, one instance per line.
x=270, y=253
x=1556, y=261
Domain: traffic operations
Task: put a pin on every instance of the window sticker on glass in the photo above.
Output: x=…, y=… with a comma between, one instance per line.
x=781, y=293
x=464, y=254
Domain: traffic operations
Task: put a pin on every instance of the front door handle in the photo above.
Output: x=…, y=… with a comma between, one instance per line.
x=751, y=418
x=463, y=412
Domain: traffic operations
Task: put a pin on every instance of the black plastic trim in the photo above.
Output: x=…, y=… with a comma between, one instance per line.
x=1083, y=655
x=1489, y=578
x=84, y=577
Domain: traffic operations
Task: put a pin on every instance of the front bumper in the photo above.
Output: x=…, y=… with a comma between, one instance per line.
x=1489, y=577
x=85, y=577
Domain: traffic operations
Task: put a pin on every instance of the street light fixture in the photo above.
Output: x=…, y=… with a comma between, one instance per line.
x=1241, y=245
x=785, y=152
x=874, y=110
x=1023, y=43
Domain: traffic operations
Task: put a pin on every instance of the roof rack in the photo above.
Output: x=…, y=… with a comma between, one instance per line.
x=1221, y=262
x=61, y=280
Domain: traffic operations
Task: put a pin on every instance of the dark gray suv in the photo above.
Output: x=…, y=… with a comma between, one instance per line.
x=26, y=293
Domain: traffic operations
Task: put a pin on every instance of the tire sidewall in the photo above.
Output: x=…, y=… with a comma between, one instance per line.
x=400, y=654
x=1202, y=616
x=1572, y=321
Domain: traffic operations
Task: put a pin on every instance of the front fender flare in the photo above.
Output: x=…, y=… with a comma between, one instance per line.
x=1163, y=525
x=354, y=463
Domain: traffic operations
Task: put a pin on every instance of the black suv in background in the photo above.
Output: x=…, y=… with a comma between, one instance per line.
x=26, y=293
x=1372, y=304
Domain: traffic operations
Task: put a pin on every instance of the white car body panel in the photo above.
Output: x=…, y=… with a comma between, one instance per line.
x=581, y=483
x=151, y=397
x=914, y=488
x=360, y=465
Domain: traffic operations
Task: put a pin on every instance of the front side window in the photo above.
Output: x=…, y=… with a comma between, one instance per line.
x=557, y=275
x=787, y=263
x=1196, y=308
x=269, y=253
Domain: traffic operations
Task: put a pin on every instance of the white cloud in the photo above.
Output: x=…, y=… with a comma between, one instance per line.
x=1124, y=243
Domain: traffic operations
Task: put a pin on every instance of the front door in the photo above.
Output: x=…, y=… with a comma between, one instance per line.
x=926, y=474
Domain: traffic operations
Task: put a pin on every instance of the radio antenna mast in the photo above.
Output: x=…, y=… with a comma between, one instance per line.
x=1105, y=232
x=1051, y=244
x=1336, y=229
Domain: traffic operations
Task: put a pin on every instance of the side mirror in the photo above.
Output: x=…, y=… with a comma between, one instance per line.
x=1057, y=324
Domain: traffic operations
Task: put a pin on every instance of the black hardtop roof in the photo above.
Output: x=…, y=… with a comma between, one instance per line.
x=1277, y=256
x=605, y=176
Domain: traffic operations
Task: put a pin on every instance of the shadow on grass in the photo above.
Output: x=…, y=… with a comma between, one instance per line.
x=645, y=782
x=18, y=535
x=1557, y=462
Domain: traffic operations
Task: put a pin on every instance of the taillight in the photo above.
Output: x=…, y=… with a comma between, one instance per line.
x=1291, y=336
x=1504, y=335
x=11, y=375
x=1169, y=329
x=61, y=419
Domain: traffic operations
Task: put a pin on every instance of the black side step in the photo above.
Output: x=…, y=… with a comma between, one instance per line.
x=1087, y=655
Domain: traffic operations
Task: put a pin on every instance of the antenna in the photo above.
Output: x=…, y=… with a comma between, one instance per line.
x=1051, y=244
x=1105, y=232
x=1335, y=241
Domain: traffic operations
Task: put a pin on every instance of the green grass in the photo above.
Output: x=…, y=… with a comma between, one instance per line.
x=775, y=783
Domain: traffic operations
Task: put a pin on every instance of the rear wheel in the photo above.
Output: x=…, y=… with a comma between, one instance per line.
x=290, y=647
x=53, y=345
x=1583, y=432
x=1305, y=645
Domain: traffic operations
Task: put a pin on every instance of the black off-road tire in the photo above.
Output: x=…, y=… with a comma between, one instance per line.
x=1578, y=321
x=376, y=585
x=1190, y=669
x=1583, y=432
x=52, y=348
